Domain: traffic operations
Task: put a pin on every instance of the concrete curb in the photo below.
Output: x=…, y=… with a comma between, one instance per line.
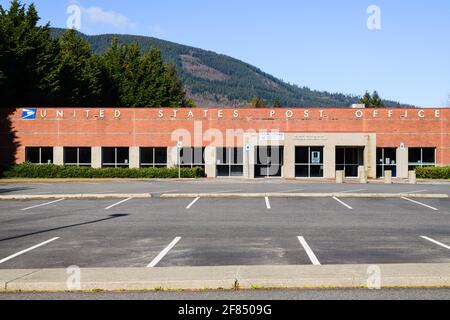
x=82, y=180
x=76, y=196
x=244, y=277
x=305, y=195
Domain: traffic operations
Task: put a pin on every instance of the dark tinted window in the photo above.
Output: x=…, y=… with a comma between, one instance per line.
x=70, y=155
x=32, y=155
x=123, y=155
x=428, y=155
x=302, y=155
x=415, y=155
x=147, y=155
x=85, y=155
x=46, y=155
x=161, y=155
x=108, y=155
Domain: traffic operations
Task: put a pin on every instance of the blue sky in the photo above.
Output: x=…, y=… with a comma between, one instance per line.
x=322, y=44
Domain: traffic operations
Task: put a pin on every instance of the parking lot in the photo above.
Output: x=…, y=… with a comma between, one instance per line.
x=159, y=232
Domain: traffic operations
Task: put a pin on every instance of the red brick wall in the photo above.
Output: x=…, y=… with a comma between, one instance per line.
x=145, y=127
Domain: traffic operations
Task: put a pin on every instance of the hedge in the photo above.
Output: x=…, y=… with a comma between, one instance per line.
x=433, y=173
x=28, y=170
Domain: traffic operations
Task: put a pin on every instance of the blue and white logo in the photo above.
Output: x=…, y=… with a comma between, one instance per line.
x=28, y=114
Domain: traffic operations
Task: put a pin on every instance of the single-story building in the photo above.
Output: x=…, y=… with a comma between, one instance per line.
x=248, y=143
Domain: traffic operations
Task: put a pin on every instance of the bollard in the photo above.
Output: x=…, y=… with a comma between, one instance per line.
x=388, y=177
x=362, y=174
x=412, y=177
x=339, y=177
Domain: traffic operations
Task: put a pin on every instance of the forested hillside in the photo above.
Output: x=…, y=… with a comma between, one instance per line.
x=217, y=80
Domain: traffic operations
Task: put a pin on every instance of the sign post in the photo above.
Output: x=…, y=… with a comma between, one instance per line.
x=179, y=146
x=248, y=147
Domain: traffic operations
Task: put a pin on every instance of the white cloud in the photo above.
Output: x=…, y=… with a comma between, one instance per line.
x=97, y=15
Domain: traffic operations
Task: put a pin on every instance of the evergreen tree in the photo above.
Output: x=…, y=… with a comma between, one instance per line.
x=366, y=100
x=257, y=102
x=78, y=72
x=376, y=101
x=372, y=101
x=27, y=58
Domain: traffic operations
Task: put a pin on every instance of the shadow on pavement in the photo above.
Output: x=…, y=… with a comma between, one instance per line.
x=113, y=216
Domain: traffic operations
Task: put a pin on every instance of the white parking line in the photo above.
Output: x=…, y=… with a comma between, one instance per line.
x=343, y=203
x=436, y=242
x=292, y=190
x=226, y=191
x=166, y=191
x=163, y=253
x=357, y=190
x=192, y=203
x=309, y=252
x=27, y=250
x=418, y=191
x=268, y=203
x=420, y=203
x=41, y=205
x=116, y=204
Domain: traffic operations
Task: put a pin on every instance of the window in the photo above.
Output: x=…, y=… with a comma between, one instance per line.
x=269, y=162
x=153, y=157
x=115, y=157
x=348, y=159
x=192, y=157
x=77, y=156
x=39, y=155
x=230, y=162
x=421, y=157
x=386, y=161
x=309, y=162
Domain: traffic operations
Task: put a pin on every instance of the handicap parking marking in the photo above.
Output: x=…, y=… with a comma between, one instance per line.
x=163, y=253
x=436, y=242
x=268, y=203
x=27, y=250
x=42, y=204
x=192, y=203
x=343, y=203
x=309, y=251
x=118, y=203
x=420, y=203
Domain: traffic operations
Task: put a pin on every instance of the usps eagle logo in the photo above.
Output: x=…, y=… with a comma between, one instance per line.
x=29, y=114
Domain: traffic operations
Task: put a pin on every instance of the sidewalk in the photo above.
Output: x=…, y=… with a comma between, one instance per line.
x=233, y=277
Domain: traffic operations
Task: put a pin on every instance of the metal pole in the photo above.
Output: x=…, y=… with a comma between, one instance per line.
x=179, y=161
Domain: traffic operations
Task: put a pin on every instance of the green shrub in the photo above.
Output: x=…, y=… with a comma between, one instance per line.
x=433, y=173
x=28, y=170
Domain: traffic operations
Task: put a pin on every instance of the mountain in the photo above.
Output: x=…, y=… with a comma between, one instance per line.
x=216, y=80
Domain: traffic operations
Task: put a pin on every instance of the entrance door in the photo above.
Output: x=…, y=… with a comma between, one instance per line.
x=269, y=162
x=348, y=159
x=386, y=160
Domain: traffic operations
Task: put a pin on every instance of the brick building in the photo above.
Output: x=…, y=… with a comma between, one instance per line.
x=251, y=143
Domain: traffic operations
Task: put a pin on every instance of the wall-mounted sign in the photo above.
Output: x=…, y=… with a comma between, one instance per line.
x=315, y=157
x=271, y=136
